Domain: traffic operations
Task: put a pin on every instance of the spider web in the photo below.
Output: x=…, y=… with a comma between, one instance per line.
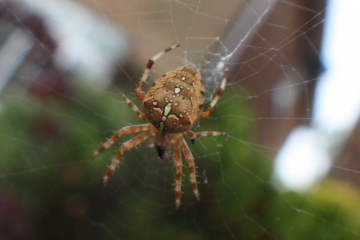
x=52, y=123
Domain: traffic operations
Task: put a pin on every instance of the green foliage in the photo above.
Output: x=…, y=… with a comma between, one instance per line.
x=45, y=162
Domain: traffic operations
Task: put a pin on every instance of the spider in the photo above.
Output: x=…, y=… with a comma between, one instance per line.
x=173, y=105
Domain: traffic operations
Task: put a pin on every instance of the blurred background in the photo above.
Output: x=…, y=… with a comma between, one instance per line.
x=288, y=168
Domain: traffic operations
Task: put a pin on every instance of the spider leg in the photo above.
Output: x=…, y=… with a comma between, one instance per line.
x=178, y=172
x=216, y=98
x=190, y=160
x=149, y=64
x=167, y=151
x=134, y=107
x=122, y=131
x=124, y=147
x=194, y=135
x=151, y=143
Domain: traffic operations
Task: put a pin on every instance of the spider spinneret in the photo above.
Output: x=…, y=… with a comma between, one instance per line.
x=173, y=105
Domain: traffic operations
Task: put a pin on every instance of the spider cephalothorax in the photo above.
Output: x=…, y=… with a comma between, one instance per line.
x=172, y=105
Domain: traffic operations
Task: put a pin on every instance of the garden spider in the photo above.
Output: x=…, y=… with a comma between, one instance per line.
x=172, y=105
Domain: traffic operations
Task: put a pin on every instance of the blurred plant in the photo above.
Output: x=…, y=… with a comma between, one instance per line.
x=46, y=144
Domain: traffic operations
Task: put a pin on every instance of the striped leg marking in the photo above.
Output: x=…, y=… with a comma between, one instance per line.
x=178, y=172
x=122, y=131
x=218, y=95
x=126, y=146
x=190, y=160
x=134, y=107
x=149, y=64
x=192, y=134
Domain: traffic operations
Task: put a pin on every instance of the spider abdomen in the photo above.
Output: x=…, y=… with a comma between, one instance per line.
x=175, y=101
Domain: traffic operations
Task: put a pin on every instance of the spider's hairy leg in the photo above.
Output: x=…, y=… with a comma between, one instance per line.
x=122, y=131
x=216, y=98
x=194, y=135
x=190, y=160
x=124, y=147
x=149, y=64
x=178, y=172
x=134, y=107
x=151, y=143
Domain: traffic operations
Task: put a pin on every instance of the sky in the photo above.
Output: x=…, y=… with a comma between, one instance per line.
x=307, y=154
